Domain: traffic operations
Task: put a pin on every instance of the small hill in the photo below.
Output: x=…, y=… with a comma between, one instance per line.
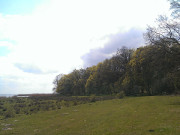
x=157, y=115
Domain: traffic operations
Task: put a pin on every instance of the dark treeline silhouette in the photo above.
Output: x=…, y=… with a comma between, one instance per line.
x=150, y=70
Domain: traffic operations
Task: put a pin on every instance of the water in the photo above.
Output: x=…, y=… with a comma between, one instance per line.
x=22, y=96
x=7, y=95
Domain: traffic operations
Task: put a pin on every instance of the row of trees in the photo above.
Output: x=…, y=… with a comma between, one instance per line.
x=149, y=70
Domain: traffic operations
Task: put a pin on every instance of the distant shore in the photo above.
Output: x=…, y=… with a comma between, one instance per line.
x=35, y=94
x=26, y=95
x=7, y=95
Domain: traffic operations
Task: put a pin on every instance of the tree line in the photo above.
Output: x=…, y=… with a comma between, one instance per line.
x=153, y=69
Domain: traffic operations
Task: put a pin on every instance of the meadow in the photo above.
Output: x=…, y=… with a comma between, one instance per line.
x=156, y=115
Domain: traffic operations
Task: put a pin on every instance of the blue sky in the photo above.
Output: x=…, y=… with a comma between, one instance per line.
x=14, y=7
x=40, y=39
x=4, y=51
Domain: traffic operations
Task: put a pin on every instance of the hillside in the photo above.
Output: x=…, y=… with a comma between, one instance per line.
x=157, y=115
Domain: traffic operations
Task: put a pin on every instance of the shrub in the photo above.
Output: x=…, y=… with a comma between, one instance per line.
x=9, y=113
x=75, y=103
x=92, y=98
x=120, y=95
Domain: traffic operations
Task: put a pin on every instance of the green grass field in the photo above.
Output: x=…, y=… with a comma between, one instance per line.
x=153, y=115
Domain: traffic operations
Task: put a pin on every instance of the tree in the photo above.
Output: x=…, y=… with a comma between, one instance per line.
x=149, y=70
x=73, y=83
x=167, y=32
x=56, y=81
x=175, y=7
x=65, y=85
x=121, y=59
x=166, y=37
x=120, y=66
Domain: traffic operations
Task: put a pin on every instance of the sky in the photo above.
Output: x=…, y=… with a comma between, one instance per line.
x=40, y=39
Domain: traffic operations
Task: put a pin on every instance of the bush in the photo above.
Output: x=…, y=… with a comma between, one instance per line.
x=120, y=95
x=92, y=98
x=75, y=103
x=9, y=113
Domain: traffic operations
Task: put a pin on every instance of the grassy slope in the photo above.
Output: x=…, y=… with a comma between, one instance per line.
x=159, y=115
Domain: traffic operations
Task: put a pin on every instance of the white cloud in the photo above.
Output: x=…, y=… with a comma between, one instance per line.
x=58, y=33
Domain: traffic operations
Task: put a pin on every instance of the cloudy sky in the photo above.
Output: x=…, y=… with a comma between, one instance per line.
x=40, y=39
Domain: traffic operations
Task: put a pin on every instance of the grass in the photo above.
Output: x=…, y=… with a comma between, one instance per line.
x=153, y=115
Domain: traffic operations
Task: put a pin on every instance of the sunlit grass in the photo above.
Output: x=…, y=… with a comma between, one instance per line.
x=157, y=115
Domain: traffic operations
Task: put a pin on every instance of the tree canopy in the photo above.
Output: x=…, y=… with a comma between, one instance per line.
x=150, y=70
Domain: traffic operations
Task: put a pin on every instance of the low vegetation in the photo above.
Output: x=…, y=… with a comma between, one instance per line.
x=16, y=106
x=157, y=115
